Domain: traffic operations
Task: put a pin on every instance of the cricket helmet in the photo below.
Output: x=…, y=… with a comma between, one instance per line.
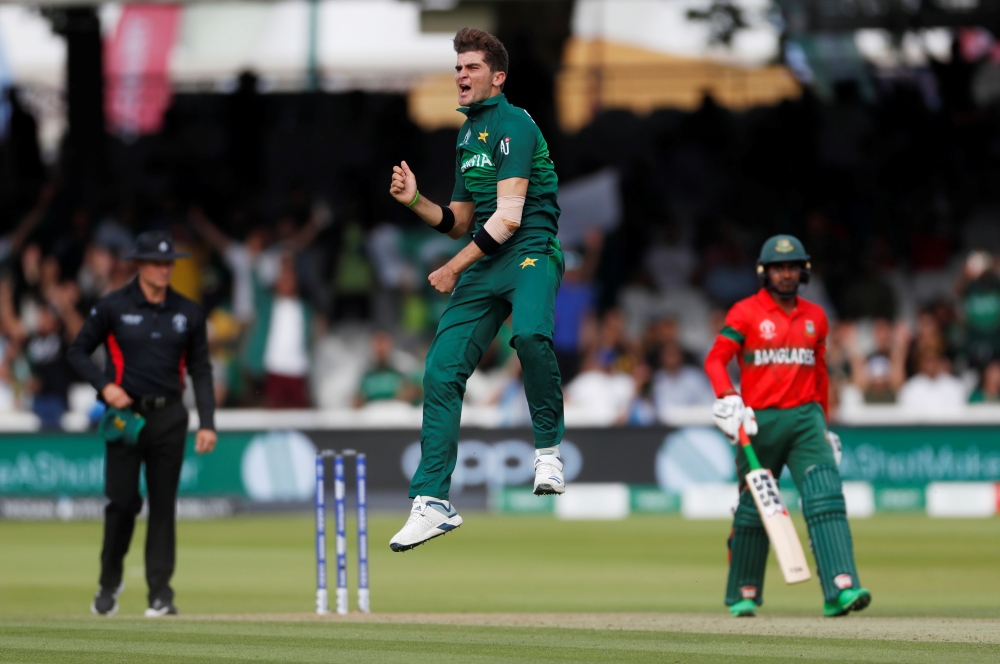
x=783, y=249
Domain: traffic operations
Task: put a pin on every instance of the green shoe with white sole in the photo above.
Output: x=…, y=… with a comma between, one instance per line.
x=851, y=599
x=745, y=608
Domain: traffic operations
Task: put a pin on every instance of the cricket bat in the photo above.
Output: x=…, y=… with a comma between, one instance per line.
x=779, y=526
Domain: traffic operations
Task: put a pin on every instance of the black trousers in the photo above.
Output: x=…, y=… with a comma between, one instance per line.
x=161, y=449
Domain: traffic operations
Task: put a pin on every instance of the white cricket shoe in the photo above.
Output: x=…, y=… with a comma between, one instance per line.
x=429, y=518
x=548, y=474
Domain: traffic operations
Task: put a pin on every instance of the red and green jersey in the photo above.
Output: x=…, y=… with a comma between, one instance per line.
x=500, y=141
x=782, y=357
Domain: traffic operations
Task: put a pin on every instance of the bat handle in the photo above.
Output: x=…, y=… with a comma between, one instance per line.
x=748, y=450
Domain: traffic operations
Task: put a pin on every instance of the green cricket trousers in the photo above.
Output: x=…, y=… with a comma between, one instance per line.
x=521, y=279
x=793, y=437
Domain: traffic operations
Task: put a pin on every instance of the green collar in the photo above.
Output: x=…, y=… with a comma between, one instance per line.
x=477, y=107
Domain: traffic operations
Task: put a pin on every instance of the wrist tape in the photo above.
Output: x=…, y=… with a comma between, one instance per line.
x=501, y=225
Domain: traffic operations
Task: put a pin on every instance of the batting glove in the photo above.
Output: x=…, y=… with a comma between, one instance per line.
x=838, y=448
x=750, y=422
x=730, y=413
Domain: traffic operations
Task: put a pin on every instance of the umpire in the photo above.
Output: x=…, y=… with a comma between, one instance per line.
x=151, y=334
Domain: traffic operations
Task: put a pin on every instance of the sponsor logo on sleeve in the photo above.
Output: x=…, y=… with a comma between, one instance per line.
x=505, y=146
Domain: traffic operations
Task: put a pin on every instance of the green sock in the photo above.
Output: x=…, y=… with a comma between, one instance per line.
x=826, y=516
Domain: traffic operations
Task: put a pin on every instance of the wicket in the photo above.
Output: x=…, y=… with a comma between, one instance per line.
x=339, y=491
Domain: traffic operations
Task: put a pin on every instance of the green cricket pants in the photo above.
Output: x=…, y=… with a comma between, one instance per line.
x=523, y=280
x=793, y=437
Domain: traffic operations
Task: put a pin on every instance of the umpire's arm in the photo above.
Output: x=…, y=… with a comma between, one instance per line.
x=200, y=368
x=92, y=334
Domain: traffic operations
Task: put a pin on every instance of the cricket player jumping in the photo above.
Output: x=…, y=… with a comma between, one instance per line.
x=779, y=340
x=505, y=185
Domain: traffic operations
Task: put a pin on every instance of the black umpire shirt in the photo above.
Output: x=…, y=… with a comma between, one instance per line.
x=149, y=347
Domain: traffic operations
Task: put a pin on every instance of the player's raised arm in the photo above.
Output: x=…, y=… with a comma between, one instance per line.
x=452, y=220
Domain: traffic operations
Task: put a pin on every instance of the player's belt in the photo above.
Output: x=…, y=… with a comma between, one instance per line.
x=155, y=402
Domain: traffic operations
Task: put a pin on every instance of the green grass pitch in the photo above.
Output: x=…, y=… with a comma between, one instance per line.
x=623, y=581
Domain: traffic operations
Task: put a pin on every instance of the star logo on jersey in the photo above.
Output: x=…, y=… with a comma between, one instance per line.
x=767, y=330
x=810, y=329
x=528, y=262
x=505, y=146
x=482, y=136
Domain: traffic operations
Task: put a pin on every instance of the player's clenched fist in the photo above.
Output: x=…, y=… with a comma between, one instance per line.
x=404, y=184
x=443, y=279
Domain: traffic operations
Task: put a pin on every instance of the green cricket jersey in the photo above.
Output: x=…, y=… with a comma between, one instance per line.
x=500, y=141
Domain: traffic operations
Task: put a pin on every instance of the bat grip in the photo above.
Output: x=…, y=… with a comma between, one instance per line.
x=748, y=450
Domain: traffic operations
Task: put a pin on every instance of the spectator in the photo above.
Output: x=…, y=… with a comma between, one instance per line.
x=256, y=261
x=670, y=261
x=353, y=280
x=575, y=303
x=280, y=342
x=989, y=385
x=56, y=324
x=12, y=243
x=383, y=381
x=94, y=278
x=928, y=340
x=978, y=288
x=612, y=348
x=933, y=391
x=604, y=394
x=881, y=374
x=678, y=384
x=663, y=332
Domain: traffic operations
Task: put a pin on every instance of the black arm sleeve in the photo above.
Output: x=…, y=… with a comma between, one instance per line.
x=200, y=367
x=93, y=333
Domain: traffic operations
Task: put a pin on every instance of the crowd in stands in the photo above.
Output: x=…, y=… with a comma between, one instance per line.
x=316, y=283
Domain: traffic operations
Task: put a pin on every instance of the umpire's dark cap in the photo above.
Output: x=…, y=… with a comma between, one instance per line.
x=154, y=246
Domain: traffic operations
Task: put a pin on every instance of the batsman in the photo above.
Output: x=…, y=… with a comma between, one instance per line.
x=779, y=341
x=505, y=192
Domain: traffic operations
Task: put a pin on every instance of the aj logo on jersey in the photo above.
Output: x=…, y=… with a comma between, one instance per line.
x=505, y=146
x=767, y=330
